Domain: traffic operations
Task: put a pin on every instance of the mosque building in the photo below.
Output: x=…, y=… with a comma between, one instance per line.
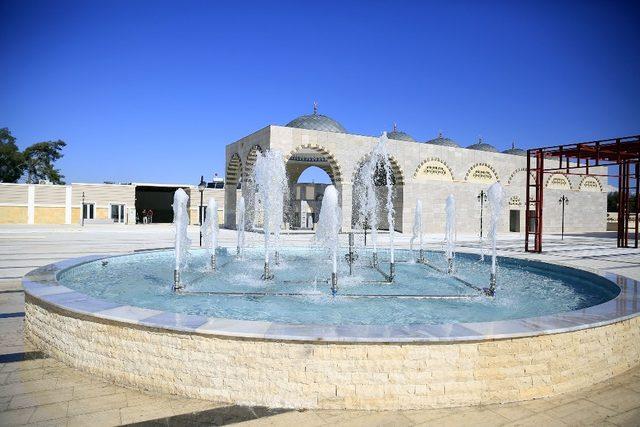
x=421, y=170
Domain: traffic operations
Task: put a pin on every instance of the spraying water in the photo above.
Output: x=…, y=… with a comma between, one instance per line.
x=270, y=178
x=210, y=230
x=182, y=241
x=495, y=194
x=240, y=224
x=450, y=231
x=417, y=229
x=328, y=229
x=375, y=172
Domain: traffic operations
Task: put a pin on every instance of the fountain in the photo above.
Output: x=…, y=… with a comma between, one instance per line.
x=328, y=229
x=240, y=224
x=376, y=172
x=210, y=230
x=182, y=241
x=270, y=177
x=284, y=341
x=450, y=232
x=417, y=230
x=495, y=195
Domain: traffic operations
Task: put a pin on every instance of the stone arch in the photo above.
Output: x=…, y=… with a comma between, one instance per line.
x=590, y=183
x=250, y=161
x=398, y=173
x=334, y=171
x=482, y=173
x=398, y=180
x=233, y=173
x=558, y=181
x=513, y=174
x=439, y=170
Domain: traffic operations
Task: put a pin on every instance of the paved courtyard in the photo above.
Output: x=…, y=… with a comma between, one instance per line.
x=37, y=390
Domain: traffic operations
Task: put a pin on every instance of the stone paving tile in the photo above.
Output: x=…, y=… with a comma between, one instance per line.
x=618, y=399
x=380, y=419
x=41, y=398
x=48, y=412
x=97, y=404
x=537, y=420
x=477, y=417
x=96, y=419
x=293, y=418
x=512, y=411
x=28, y=387
x=147, y=411
x=629, y=418
x=16, y=416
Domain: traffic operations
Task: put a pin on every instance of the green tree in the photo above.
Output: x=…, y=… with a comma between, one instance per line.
x=39, y=159
x=11, y=159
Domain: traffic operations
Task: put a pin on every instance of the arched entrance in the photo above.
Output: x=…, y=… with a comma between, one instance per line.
x=380, y=182
x=306, y=165
x=233, y=179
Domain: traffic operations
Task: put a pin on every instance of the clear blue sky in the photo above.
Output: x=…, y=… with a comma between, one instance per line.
x=153, y=90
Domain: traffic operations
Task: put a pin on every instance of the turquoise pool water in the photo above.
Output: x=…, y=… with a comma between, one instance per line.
x=300, y=292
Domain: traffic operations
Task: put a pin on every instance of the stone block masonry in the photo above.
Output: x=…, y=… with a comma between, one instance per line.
x=372, y=376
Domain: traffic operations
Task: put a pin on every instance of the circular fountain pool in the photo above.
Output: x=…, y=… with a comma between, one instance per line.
x=421, y=293
x=429, y=339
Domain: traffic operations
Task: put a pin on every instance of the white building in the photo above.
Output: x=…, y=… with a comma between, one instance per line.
x=428, y=171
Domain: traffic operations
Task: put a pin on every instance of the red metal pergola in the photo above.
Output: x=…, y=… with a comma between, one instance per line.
x=576, y=159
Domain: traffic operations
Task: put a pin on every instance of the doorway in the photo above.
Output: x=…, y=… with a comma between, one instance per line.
x=117, y=213
x=514, y=220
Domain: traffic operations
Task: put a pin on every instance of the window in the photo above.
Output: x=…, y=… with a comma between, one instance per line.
x=88, y=210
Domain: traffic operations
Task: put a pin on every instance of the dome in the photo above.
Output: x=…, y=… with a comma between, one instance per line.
x=316, y=121
x=442, y=141
x=399, y=135
x=482, y=146
x=515, y=151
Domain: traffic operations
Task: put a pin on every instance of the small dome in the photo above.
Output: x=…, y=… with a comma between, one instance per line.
x=442, y=141
x=482, y=146
x=316, y=121
x=399, y=135
x=515, y=151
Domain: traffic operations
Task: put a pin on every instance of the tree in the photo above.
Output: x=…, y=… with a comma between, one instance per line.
x=39, y=159
x=11, y=159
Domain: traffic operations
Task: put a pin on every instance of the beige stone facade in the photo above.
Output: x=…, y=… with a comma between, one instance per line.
x=62, y=204
x=422, y=171
x=334, y=375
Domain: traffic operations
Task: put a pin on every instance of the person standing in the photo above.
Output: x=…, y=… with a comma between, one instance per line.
x=150, y=212
x=144, y=216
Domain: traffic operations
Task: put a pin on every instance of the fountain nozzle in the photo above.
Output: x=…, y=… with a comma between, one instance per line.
x=421, y=256
x=277, y=258
x=491, y=290
x=213, y=261
x=449, y=265
x=392, y=271
x=334, y=284
x=374, y=260
x=177, y=285
x=267, y=275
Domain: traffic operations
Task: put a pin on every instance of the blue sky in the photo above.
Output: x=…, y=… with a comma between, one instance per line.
x=153, y=90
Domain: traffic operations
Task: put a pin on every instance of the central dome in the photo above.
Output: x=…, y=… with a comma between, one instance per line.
x=316, y=121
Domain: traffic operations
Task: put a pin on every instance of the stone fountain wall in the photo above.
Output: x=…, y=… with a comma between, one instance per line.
x=334, y=375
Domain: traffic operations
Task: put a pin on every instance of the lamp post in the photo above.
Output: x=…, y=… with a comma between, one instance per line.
x=563, y=201
x=482, y=197
x=82, y=211
x=201, y=188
